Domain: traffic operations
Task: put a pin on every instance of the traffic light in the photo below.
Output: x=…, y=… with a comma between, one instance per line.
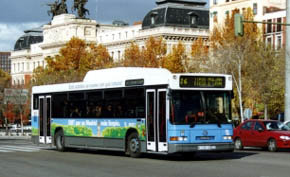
x=239, y=26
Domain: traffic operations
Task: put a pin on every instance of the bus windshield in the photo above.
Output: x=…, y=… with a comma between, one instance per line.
x=200, y=107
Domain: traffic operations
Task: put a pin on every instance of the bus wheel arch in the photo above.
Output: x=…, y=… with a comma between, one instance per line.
x=59, y=139
x=132, y=143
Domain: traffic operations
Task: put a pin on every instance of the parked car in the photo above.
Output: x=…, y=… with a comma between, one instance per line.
x=269, y=134
x=287, y=123
x=15, y=128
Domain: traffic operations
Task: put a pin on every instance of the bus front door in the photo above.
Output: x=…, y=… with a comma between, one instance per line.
x=156, y=105
x=44, y=119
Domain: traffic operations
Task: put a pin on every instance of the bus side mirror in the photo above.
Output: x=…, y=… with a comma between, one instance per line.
x=169, y=94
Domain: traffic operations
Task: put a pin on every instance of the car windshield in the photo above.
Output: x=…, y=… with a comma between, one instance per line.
x=275, y=125
x=200, y=107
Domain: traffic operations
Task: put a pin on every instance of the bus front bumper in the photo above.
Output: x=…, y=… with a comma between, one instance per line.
x=212, y=147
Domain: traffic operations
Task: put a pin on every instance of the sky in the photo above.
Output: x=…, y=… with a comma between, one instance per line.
x=19, y=15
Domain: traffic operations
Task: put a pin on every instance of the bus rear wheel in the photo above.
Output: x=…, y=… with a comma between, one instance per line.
x=133, y=145
x=59, y=141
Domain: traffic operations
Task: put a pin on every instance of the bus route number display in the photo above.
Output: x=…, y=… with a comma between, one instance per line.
x=202, y=82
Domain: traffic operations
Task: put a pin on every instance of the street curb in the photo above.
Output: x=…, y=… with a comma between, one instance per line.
x=14, y=136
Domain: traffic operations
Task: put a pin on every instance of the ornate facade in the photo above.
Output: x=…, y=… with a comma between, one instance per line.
x=173, y=20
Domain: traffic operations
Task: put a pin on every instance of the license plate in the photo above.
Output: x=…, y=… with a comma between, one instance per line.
x=206, y=147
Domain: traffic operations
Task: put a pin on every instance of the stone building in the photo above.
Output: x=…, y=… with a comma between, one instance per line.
x=220, y=8
x=275, y=35
x=173, y=20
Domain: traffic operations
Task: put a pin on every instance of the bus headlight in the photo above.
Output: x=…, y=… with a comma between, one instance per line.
x=284, y=137
x=227, y=137
x=178, y=138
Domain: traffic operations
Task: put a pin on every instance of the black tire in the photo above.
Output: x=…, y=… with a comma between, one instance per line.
x=134, y=145
x=272, y=145
x=59, y=141
x=238, y=144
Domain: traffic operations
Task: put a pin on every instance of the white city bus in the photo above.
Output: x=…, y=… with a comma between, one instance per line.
x=136, y=110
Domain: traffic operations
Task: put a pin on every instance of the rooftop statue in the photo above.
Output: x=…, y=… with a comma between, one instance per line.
x=80, y=6
x=57, y=8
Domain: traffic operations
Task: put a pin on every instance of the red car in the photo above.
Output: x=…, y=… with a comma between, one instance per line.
x=269, y=134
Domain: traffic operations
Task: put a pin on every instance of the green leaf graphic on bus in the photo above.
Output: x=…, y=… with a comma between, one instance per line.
x=120, y=132
x=70, y=130
x=34, y=131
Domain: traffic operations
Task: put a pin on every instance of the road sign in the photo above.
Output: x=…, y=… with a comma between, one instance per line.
x=248, y=113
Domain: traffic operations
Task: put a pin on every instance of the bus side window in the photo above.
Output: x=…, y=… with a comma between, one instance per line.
x=60, y=106
x=94, y=104
x=135, y=102
x=77, y=105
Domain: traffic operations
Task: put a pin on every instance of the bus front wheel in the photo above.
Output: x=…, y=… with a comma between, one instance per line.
x=59, y=141
x=133, y=145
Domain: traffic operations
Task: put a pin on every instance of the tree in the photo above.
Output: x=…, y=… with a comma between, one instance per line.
x=199, y=54
x=231, y=54
x=176, y=60
x=74, y=61
x=133, y=56
x=267, y=78
x=5, y=82
x=150, y=56
x=155, y=50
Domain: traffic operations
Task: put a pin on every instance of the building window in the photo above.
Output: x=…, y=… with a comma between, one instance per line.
x=153, y=20
x=215, y=19
x=153, y=17
x=278, y=42
x=193, y=19
x=112, y=54
x=227, y=0
x=215, y=2
x=119, y=55
x=269, y=41
x=255, y=8
x=279, y=27
x=269, y=26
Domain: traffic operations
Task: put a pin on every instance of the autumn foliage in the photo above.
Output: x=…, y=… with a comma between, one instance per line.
x=149, y=56
x=175, y=61
x=74, y=61
x=258, y=83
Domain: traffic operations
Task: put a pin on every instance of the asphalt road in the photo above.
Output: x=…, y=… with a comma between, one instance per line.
x=20, y=158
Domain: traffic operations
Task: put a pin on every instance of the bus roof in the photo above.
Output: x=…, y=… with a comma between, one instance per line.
x=119, y=77
x=128, y=73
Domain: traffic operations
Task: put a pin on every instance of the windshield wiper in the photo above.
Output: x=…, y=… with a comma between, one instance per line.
x=192, y=124
x=219, y=124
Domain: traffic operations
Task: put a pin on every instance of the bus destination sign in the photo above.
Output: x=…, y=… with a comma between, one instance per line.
x=202, y=82
x=136, y=82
